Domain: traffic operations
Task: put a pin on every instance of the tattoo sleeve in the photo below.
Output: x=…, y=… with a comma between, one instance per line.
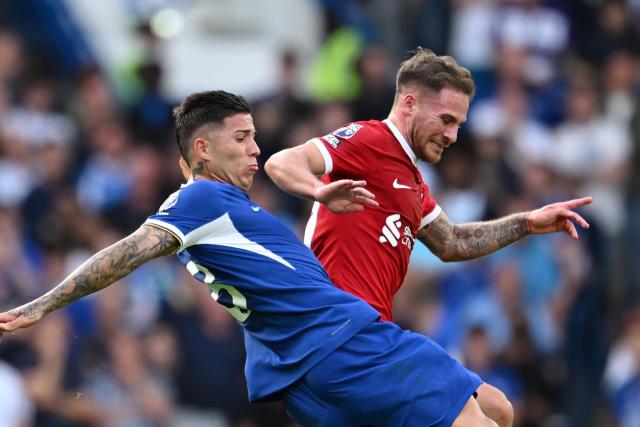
x=103, y=269
x=458, y=242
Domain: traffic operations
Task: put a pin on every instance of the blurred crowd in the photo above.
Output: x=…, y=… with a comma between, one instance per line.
x=552, y=322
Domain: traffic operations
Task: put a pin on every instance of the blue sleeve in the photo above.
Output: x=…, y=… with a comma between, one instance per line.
x=188, y=210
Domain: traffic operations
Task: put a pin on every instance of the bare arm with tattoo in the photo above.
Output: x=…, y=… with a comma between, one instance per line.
x=101, y=270
x=458, y=242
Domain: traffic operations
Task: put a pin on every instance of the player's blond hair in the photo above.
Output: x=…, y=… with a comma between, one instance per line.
x=427, y=70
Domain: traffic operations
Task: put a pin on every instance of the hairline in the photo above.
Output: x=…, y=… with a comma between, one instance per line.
x=212, y=127
x=423, y=92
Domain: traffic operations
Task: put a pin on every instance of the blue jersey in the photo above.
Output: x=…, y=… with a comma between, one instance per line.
x=273, y=285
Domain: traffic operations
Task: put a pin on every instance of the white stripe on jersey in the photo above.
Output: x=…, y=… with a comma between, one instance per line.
x=222, y=232
x=403, y=142
x=175, y=230
x=431, y=216
x=311, y=224
x=328, y=161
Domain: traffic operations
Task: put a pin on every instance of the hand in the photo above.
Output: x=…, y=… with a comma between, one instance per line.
x=16, y=319
x=345, y=196
x=558, y=217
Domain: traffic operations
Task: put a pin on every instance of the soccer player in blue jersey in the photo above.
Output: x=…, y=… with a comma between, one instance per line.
x=318, y=348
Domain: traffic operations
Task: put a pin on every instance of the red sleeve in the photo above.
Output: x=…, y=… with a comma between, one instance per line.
x=430, y=208
x=342, y=151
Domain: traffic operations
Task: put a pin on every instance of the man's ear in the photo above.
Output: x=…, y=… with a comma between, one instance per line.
x=408, y=101
x=201, y=148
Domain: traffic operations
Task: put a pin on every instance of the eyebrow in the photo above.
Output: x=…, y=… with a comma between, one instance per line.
x=246, y=131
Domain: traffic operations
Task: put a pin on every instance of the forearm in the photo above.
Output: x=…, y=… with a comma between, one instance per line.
x=102, y=269
x=472, y=240
x=94, y=274
x=477, y=239
x=290, y=170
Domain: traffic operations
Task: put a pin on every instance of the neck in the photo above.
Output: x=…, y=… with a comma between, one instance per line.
x=401, y=124
x=199, y=172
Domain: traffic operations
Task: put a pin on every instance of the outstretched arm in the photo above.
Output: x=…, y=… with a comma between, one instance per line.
x=296, y=171
x=458, y=242
x=99, y=271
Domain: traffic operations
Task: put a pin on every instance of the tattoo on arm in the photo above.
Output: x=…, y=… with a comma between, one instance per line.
x=104, y=268
x=451, y=242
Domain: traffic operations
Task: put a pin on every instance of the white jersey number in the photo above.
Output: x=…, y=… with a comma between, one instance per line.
x=239, y=309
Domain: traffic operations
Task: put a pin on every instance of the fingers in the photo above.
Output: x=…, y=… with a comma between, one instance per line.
x=363, y=192
x=345, y=183
x=577, y=218
x=6, y=317
x=576, y=203
x=351, y=191
x=361, y=183
x=8, y=326
x=8, y=323
x=569, y=217
x=3, y=329
x=368, y=202
x=349, y=183
x=571, y=229
x=364, y=197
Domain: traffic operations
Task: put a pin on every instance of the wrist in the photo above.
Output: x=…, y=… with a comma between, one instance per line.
x=317, y=187
x=527, y=223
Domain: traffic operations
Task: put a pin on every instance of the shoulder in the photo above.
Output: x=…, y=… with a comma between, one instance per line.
x=203, y=187
x=358, y=131
x=201, y=194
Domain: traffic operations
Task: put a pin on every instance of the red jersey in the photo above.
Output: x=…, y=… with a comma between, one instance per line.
x=367, y=253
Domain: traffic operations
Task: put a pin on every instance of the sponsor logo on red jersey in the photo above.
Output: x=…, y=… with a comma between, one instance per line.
x=335, y=142
x=394, y=234
x=348, y=131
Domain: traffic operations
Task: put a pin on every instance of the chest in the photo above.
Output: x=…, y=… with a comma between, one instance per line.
x=399, y=189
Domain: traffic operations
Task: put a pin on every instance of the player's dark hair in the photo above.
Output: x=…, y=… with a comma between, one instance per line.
x=204, y=108
x=433, y=72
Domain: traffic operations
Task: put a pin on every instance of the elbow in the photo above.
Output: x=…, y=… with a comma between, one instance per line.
x=446, y=258
x=446, y=255
x=272, y=167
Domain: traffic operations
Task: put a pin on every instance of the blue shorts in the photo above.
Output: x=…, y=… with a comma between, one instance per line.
x=383, y=376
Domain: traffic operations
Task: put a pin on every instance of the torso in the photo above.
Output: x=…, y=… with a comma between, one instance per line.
x=269, y=281
x=367, y=253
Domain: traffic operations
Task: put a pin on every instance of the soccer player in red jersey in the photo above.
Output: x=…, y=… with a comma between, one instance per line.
x=367, y=253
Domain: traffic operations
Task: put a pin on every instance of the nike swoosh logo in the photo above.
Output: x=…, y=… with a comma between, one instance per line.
x=400, y=186
x=255, y=208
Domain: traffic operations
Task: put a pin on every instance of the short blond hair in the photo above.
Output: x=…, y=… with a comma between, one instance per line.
x=430, y=71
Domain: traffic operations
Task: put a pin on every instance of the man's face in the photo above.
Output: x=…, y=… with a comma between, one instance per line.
x=435, y=121
x=232, y=151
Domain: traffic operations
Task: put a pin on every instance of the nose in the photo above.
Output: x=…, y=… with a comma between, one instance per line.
x=252, y=148
x=451, y=133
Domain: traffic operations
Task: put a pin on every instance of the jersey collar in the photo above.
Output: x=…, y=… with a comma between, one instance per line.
x=189, y=182
x=403, y=142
